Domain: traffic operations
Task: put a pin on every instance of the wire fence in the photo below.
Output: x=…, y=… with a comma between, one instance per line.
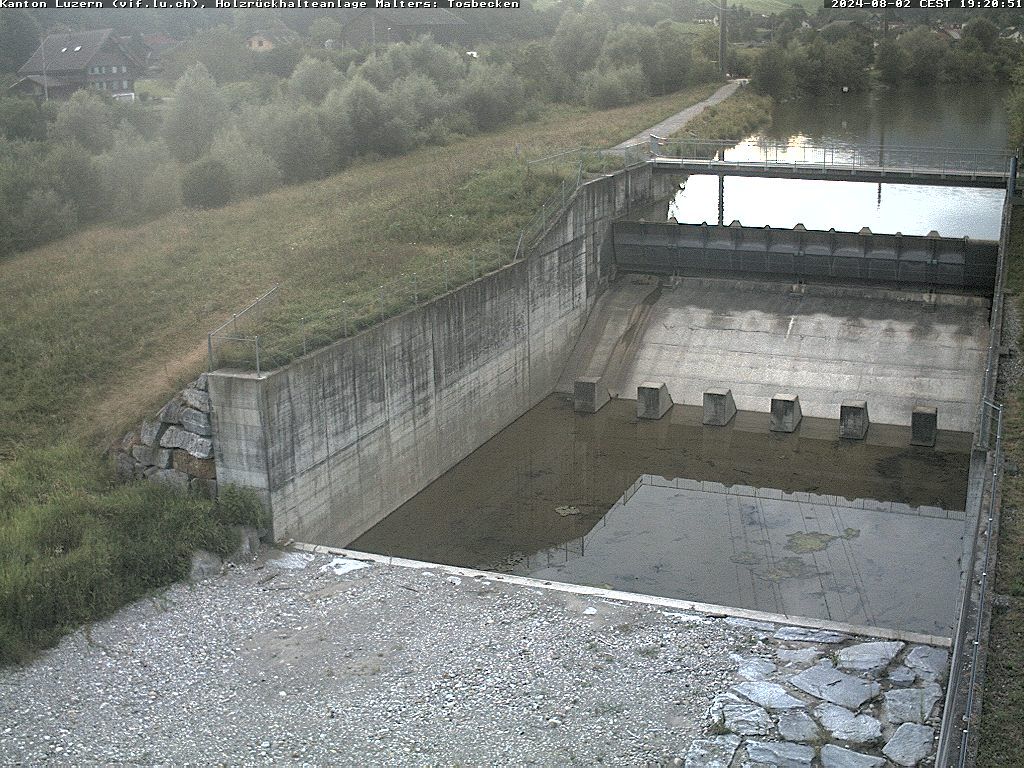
x=265, y=335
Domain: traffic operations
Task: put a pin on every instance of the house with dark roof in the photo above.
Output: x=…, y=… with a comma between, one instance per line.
x=63, y=64
x=380, y=26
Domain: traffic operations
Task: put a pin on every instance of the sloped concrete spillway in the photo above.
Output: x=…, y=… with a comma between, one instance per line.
x=448, y=434
x=869, y=533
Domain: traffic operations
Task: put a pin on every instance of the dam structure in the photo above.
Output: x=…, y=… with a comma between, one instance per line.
x=811, y=412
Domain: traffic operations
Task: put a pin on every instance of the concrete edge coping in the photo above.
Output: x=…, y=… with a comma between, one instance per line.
x=706, y=609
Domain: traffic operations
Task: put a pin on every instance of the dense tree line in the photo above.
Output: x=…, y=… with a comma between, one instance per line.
x=239, y=125
x=809, y=62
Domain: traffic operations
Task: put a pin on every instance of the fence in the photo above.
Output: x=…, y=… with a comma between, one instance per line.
x=258, y=338
x=962, y=689
x=946, y=159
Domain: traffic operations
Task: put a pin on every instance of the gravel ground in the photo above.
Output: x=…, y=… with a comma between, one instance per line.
x=276, y=663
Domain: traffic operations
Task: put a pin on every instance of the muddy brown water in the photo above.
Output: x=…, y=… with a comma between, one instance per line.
x=551, y=476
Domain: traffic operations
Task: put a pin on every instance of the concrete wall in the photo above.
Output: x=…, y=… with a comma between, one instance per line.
x=340, y=438
x=702, y=249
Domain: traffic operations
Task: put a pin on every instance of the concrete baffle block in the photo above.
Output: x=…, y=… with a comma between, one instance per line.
x=786, y=415
x=589, y=395
x=652, y=400
x=719, y=407
x=924, y=425
x=853, y=419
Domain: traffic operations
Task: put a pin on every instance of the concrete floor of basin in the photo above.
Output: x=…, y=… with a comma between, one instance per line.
x=543, y=486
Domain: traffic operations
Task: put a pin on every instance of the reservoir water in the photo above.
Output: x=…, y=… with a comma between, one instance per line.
x=929, y=126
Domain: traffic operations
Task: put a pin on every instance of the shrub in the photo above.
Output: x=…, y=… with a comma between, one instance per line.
x=85, y=118
x=491, y=96
x=252, y=171
x=198, y=111
x=206, y=184
x=613, y=87
x=313, y=79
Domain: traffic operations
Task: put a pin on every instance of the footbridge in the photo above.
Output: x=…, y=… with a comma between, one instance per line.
x=829, y=162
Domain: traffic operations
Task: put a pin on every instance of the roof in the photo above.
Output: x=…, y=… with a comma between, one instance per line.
x=68, y=53
x=47, y=81
x=413, y=17
x=158, y=41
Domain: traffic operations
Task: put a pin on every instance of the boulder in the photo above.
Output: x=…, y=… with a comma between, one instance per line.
x=797, y=725
x=200, y=383
x=833, y=686
x=152, y=457
x=196, y=422
x=844, y=725
x=196, y=398
x=768, y=695
x=124, y=467
x=151, y=433
x=204, y=469
x=176, y=437
x=910, y=744
x=168, y=478
x=806, y=635
x=205, y=565
x=747, y=719
x=171, y=412
x=129, y=441
x=929, y=663
x=869, y=657
x=716, y=752
x=781, y=754
x=910, y=705
x=837, y=757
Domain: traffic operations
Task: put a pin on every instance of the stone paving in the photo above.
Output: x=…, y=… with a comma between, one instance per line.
x=815, y=698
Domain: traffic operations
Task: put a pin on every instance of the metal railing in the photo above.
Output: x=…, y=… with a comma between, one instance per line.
x=255, y=340
x=968, y=638
x=841, y=156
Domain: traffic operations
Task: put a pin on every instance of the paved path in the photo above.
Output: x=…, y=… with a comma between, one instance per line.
x=672, y=124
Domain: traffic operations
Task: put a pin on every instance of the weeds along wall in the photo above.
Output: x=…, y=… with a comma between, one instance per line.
x=339, y=439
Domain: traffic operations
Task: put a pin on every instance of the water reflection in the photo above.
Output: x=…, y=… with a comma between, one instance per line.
x=798, y=554
x=844, y=205
x=897, y=127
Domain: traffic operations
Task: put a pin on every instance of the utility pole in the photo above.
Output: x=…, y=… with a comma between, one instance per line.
x=721, y=39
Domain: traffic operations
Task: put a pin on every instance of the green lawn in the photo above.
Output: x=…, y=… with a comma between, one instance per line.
x=1002, y=739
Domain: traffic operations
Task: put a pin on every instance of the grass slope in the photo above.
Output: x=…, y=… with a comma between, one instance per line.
x=99, y=328
x=1002, y=739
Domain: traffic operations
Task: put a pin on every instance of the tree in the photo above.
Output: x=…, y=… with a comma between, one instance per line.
x=491, y=96
x=293, y=138
x=577, y=42
x=198, y=111
x=251, y=169
x=773, y=73
x=22, y=119
x=981, y=29
x=891, y=62
x=925, y=54
x=206, y=184
x=1015, y=108
x=312, y=80
x=86, y=118
x=613, y=87
x=19, y=38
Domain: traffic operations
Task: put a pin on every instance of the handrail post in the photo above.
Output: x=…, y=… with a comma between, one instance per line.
x=209, y=352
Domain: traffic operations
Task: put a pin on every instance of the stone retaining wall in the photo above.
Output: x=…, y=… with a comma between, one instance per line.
x=175, y=449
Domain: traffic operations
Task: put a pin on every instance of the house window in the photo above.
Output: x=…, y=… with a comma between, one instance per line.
x=259, y=43
x=124, y=85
